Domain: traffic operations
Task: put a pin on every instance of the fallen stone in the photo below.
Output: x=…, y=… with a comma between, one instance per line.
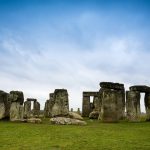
x=111, y=85
x=74, y=115
x=34, y=120
x=66, y=121
x=94, y=115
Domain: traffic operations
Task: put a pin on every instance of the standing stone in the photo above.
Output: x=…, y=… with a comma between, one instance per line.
x=16, y=112
x=16, y=108
x=36, y=109
x=86, y=109
x=121, y=104
x=4, y=105
x=147, y=105
x=27, y=109
x=71, y=110
x=47, y=109
x=61, y=103
x=133, y=105
x=109, y=111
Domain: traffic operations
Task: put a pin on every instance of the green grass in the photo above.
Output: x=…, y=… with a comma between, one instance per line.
x=94, y=136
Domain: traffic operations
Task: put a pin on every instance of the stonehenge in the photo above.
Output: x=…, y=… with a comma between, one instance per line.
x=110, y=104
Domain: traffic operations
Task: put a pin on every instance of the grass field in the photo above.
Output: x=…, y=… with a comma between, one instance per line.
x=94, y=136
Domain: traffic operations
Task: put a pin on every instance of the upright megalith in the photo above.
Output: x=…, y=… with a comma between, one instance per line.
x=133, y=105
x=147, y=105
x=86, y=109
x=36, y=108
x=27, y=109
x=112, y=97
x=61, y=103
x=48, y=105
x=16, y=108
x=109, y=110
x=4, y=105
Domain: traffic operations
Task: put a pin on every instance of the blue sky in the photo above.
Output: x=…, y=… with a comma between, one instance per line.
x=73, y=44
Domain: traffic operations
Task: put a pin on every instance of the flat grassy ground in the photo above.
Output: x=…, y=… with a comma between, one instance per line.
x=94, y=136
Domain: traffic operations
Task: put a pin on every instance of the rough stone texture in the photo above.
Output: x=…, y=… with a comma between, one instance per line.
x=96, y=104
x=140, y=88
x=16, y=111
x=27, y=109
x=74, y=115
x=31, y=99
x=16, y=96
x=90, y=93
x=61, y=103
x=34, y=120
x=94, y=115
x=2, y=110
x=36, y=109
x=48, y=106
x=86, y=109
x=111, y=85
x=4, y=105
x=66, y=121
x=109, y=110
x=147, y=105
x=133, y=105
x=121, y=104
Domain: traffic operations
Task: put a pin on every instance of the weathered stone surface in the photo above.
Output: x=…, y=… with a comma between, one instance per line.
x=2, y=110
x=16, y=96
x=34, y=120
x=90, y=93
x=121, y=104
x=27, y=109
x=109, y=110
x=36, y=108
x=111, y=85
x=140, y=88
x=4, y=105
x=96, y=104
x=147, y=105
x=94, y=115
x=74, y=115
x=66, y=121
x=86, y=108
x=133, y=105
x=61, y=103
x=31, y=99
x=16, y=111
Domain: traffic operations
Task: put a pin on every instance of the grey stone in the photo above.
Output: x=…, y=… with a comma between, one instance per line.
x=61, y=103
x=94, y=115
x=27, y=109
x=66, y=121
x=86, y=108
x=36, y=108
x=16, y=111
x=34, y=120
x=109, y=110
x=133, y=105
x=111, y=85
x=16, y=96
x=74, y=115
x=147, y=105
x=140, y=88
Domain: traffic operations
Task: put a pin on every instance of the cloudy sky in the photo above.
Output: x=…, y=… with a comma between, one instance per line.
x=73, y=44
